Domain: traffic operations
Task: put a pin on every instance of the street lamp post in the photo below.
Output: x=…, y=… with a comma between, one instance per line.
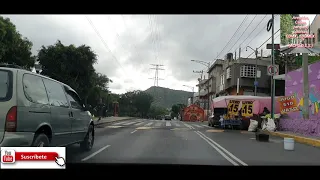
x=192, y=88
x=256, y=69
x=207, y=64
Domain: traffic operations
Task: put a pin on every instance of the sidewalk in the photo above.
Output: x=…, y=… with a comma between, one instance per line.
x=313, y=141
x=110, y=119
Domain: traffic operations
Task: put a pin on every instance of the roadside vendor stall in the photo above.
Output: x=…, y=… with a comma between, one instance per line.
x=239, y=109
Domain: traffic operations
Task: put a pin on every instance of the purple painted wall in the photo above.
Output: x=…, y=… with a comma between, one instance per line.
x=294, y=86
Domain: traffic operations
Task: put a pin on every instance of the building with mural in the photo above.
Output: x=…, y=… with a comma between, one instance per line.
x=294, y=86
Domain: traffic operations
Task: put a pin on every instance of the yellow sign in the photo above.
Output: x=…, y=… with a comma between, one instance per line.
x=247, y=108
x=233, y=107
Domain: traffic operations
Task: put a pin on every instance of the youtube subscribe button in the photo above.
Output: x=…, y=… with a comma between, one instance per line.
x=29, y=156
x=33, y=158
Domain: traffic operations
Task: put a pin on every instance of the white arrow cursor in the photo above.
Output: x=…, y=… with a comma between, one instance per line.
x=60, y=161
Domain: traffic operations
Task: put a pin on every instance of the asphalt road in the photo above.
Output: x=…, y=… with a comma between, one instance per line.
x=176, y=142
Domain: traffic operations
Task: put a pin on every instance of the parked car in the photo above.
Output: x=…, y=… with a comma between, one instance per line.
x=167, y=117
x=38, y=111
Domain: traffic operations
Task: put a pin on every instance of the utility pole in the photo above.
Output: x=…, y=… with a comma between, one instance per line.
x=256, y=76
x=272, y=62
x=156, y=78
x=199, y=72
x=256, y=69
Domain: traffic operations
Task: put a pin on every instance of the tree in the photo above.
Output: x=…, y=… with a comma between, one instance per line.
x=71, y=65
x=14, y=49
x=99, y=90
x=175, y=108
x=286, y=27
x=157, y=111
x=142, y=101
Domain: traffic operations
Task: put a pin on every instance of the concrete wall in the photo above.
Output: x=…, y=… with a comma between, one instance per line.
x=294, y=86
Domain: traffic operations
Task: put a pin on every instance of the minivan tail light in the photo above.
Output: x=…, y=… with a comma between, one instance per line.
x=11, y=119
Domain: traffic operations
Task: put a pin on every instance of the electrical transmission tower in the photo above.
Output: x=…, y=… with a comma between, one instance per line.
x=156, y=78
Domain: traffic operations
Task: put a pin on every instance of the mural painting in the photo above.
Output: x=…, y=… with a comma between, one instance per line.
x=193, y=113
x=294, y=86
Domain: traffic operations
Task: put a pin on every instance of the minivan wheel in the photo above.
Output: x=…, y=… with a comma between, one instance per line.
x=41, y=140
x=88, y=141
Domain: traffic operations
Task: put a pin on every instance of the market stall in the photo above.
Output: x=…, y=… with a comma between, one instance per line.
x=239, y=109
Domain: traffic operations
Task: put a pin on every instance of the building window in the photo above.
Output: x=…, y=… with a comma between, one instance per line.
x=222, y=79
x=228, y=73
x=318, y=35
x=248, y=71
x=314, y=39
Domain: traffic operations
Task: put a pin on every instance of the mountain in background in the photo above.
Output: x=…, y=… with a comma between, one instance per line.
x=165, y=97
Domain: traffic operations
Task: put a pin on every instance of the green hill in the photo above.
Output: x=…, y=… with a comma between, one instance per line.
x=165, y=97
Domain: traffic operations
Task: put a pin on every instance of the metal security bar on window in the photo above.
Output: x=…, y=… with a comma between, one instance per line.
x=248, y=71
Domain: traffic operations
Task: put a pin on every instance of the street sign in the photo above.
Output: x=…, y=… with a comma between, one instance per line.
x=255, y=83
x=273, y=70
x=276, y=46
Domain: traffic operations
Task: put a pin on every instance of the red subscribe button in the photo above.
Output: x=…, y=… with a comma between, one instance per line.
x=30, y=156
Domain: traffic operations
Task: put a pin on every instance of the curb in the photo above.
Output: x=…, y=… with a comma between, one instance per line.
x=100, y=123
x=300, y=139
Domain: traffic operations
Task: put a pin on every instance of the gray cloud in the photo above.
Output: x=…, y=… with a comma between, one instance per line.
x=138, y=41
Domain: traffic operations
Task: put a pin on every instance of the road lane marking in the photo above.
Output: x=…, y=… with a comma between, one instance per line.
x=168, y=124
x=120, y=123
x=196, y=125
x=114, y=126
x=223, y=149
x=95, y=153
x=218, y=150
x=143, y=128
x=129, y=123
x=215, y=130
x=139, y=124
x=158, y=124
x=179, y=129
x=204, y=125
x=133, y=131
x=149, y=124
x=187, y=125
x=176, y=124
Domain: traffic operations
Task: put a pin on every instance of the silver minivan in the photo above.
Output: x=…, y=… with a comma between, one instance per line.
x=39, y=111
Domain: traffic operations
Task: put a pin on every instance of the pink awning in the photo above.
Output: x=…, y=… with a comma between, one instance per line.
x=258, y=104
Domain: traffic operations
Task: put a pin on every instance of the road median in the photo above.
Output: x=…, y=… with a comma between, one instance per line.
x=298, y=138
x=107, y=120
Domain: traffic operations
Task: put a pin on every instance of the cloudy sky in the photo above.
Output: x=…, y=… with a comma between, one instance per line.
x=128, y=44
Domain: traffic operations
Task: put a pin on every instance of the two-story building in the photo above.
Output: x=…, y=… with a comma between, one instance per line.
x=201, y=97
x=227, y=74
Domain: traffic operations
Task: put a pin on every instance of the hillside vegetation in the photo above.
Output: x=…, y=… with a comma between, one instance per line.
x=165, y=97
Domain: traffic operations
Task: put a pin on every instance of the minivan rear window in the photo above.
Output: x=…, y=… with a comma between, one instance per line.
x=5, y=85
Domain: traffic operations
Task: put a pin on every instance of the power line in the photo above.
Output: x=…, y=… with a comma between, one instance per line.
x=253, y=29
x=104, y=43
x=156, y=75
x=243, y=32
x=132, y=44
x=265, y=42
x=263, y=28
x=232, y=36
